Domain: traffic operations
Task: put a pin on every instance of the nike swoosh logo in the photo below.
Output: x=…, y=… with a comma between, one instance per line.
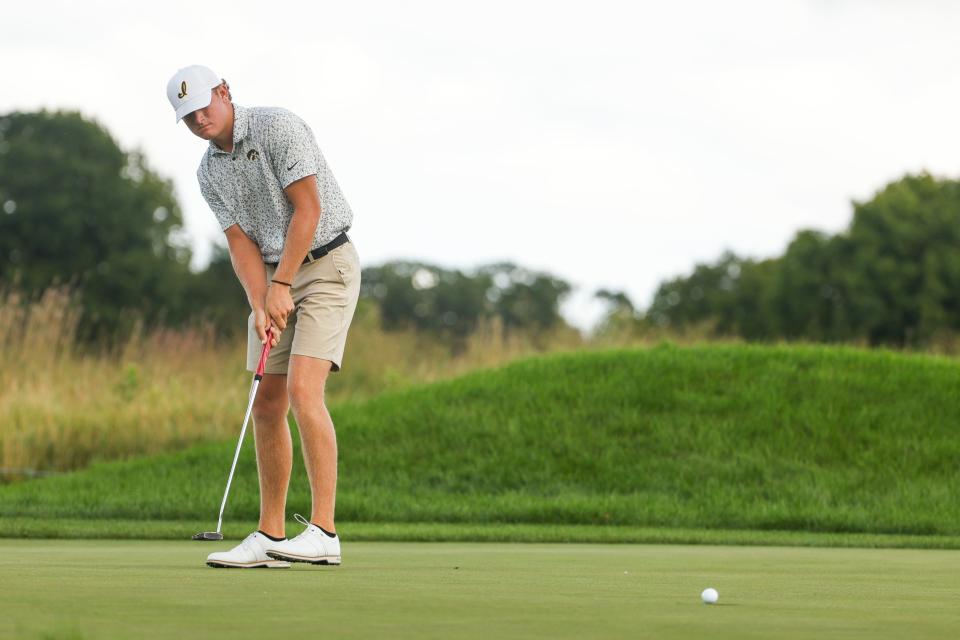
x=293, y=165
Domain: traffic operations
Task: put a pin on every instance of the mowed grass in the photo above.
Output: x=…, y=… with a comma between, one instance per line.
x=122, y=589
x=815, y=439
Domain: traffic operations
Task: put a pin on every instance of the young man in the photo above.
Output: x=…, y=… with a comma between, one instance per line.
x=285, y=220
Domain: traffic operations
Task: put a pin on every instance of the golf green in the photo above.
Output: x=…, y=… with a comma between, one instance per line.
x=150, y=589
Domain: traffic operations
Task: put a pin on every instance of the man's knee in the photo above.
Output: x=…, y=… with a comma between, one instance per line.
x=270, y=404
x=306, y=384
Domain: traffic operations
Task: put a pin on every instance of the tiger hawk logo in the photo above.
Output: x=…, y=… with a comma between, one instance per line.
x=253, y=154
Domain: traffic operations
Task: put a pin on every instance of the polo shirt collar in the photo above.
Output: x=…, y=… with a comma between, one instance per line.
x=241, y=124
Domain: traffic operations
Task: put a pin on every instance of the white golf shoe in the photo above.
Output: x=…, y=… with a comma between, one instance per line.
x=313, y=546
x=249, y=554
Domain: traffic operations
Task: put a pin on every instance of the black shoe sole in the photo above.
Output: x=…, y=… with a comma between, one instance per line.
x=277, y=556
x=233, y=566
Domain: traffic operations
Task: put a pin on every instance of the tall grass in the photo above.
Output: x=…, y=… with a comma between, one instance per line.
x=63, y=406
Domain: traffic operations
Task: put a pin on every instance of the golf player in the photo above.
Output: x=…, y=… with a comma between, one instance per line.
x=285, y=220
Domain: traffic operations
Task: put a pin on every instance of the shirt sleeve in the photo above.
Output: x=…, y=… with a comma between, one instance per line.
x=225, y=216
x=293, y=149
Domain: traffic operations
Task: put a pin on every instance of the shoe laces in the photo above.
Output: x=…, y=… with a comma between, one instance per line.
x=309, y=525
x=299, y=518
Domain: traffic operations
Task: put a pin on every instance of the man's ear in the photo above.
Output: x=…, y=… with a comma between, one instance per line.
x=224, y=91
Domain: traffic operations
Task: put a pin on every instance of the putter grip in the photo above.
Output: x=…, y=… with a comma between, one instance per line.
x=263, y=355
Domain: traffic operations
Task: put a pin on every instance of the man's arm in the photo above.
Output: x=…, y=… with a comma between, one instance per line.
x=248, y=265
x=303, y=196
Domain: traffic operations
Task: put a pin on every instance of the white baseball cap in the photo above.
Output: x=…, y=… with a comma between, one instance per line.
x=189, y=89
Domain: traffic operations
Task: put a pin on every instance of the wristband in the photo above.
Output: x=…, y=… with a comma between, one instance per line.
x=282, y=282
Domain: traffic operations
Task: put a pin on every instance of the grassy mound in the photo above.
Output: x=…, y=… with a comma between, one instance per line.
x=727, y=437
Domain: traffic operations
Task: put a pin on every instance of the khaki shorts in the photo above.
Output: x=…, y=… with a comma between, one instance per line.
x=325, y=294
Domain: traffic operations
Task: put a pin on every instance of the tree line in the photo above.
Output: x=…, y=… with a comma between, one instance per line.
x=892, y=277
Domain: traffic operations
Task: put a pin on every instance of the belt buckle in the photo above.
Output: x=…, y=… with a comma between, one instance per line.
x=310, y=259
x=322, y=250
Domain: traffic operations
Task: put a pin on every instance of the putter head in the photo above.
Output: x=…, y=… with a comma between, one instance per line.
x=209, y=535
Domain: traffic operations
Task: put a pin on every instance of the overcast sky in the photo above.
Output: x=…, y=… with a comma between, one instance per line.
x=612, y=144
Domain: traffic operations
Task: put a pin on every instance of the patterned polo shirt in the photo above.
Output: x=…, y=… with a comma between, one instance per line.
x=272, y=147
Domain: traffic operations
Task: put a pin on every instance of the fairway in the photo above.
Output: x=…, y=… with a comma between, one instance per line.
x=150, y=589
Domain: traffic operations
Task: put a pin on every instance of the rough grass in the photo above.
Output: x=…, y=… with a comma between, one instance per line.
x=810, y=439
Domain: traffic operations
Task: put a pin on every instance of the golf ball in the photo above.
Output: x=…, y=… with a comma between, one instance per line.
x=710, y=596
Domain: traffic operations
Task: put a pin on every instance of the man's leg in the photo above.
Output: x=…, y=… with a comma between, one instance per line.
x=274, y=451
x=306, y=384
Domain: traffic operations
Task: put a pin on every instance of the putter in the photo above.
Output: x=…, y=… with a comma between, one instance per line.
x=257, y=377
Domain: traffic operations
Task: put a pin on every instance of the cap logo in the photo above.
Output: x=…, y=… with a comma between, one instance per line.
x=183, y=90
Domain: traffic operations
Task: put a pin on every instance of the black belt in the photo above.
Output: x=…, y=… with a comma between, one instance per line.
x=319, y=252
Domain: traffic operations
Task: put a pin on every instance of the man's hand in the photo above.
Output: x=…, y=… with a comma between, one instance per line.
x=278, y=305
x=262, y=324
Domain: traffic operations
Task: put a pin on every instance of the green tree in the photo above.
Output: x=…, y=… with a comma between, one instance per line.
x=451, y=303
x=892, y=277
x=76, y=209
x=730, y=295
x=218, y=295
x=414, y=294
x=905, y=255
x=523, y=298
x=811, y=289
x=621, y=317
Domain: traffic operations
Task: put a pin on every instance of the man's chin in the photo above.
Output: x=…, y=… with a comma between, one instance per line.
x=207, y=133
